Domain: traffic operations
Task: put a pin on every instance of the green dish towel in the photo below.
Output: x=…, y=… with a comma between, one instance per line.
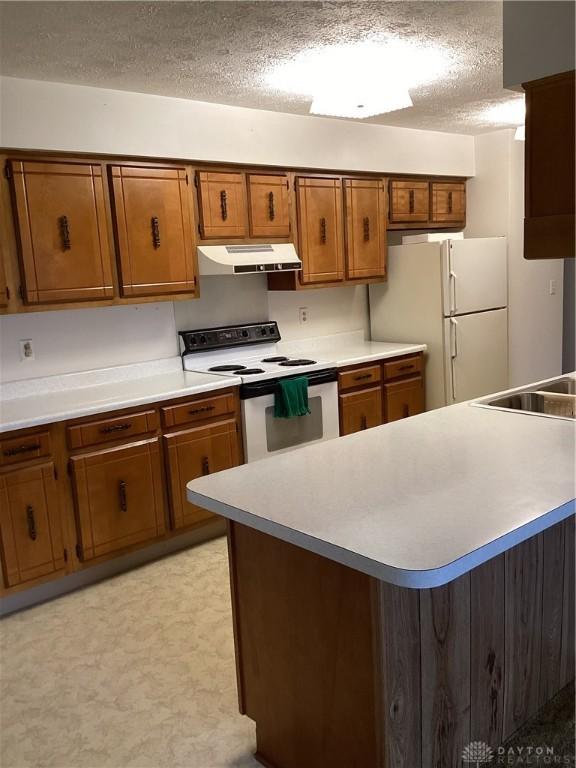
x=291, y=398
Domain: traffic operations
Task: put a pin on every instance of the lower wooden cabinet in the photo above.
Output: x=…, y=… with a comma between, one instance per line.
x=30, y=524
x=403, y=398
x=360, y=410
x=119, y=498
x=193, y=453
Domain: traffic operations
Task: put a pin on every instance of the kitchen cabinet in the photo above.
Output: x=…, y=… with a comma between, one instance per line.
x=403, y=398
x=448, y=202
x=409, y=201
x=268, y=206
x=118, y=496
x=221, y=204
x=4, y=292
x=60, y=219
x=319, y=204
x=360, y=410
x=195, y=452
x=365, y=204
x=154, y=233
x=549, y=231
x=30, y=525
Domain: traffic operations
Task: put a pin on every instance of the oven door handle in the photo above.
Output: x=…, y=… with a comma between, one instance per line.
x=268, y=387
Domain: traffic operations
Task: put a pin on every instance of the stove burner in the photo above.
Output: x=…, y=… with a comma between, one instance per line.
x=252, y=370
x=300, y=361
x=274, y=359
x=232, y=368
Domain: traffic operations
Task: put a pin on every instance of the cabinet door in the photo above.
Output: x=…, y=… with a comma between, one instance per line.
x=222, y=204
x=320, y=229
x=268, y=206
x=193, y=453
x=449, y=202
x=30, y=525
x=152, y=208
x=404, y=398
x=61, y=222
x=119, y=497
x=365, y=228
x=409, y=201
x=360, y=410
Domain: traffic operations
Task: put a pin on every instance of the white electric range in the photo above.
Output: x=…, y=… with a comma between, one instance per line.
x=250, y=352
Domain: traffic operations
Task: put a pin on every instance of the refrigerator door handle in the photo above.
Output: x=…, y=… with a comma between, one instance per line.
x=453, y=277
x=453, y=353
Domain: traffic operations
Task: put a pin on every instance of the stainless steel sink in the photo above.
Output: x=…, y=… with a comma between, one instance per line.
x=555, y=400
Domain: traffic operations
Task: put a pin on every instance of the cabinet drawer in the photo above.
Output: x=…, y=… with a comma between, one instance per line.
x=404, y=398
x=106, y=430
x=359, y=377
x=360, y=410
x=17, y=449
x=407, y=367
x=197, y=410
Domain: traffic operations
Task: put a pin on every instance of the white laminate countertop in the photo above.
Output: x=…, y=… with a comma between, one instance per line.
x=58, y=398
x=417, y=502
x=348, y=348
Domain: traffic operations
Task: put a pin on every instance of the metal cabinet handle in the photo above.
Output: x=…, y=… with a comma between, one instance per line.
x=363, y=376
x=203, y=409
x=205, y=465
x=366, y=225
x=406, y=367
x=363, y=422
x=449, y=202
x=411, y=200
x=31, y=522
x=405, y=410
x=323, y=230
x=271, y=211
x=115, y=428
x=65, y=233
x=155, y=231
x=224, y=204
x=22, y=449
x=122, y=496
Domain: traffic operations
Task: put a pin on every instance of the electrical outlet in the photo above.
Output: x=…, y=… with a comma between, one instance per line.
x=552, y=288
x=303, y=314
x=26, y=349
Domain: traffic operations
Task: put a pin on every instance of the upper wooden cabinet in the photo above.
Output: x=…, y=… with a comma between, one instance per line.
x=448, y=201
x=549, y=231
x=268, y=208
x=319, y=203
x=409, y=201
x=119, y=497
x=365, y=201
x=61, y=231
x=30, y=525
x=153, y=216
x=221, y=204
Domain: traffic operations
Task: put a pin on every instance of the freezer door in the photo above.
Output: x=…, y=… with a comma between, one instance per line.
x=475, y=355
x=474, y=275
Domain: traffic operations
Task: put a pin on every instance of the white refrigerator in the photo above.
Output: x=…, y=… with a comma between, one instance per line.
x=453, y=296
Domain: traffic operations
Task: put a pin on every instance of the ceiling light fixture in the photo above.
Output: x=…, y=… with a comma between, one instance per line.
x=360, y=80
x=511, y=112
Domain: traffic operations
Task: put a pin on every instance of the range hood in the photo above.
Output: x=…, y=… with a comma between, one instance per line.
x=247, y=259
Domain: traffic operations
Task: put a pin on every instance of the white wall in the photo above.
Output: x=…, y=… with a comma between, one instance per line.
x=496, y=207
x=55, y=116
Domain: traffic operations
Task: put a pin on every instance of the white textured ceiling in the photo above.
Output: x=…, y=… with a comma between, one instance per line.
x=219, y=51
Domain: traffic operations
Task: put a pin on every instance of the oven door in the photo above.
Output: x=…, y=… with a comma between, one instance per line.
x=265, y=435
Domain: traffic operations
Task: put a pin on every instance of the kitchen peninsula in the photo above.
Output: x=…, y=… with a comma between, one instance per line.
x=403, y=591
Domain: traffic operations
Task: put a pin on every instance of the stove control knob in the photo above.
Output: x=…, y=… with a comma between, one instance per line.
x=202, y=339
x=193, y=341
x=261, y=267
x=245, y=333
x=278, y=266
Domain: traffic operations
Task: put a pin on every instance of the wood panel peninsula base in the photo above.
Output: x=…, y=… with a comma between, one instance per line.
x=341, y=670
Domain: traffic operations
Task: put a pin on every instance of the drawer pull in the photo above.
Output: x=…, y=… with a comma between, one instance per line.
x=366, y=225
x=224, y=205
x=405, y=410
x=449, y=202
x=122, y=496
x=155, y=231
x=411, y=201
x=406, y=367
x=271, y=211
x=31, y=522
x=363, y=376
x=323, y=230
x=115, y=428
x=22, y=449
x=203, y=409
x=363, y=422
x=65, y=233
x=205, y=465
